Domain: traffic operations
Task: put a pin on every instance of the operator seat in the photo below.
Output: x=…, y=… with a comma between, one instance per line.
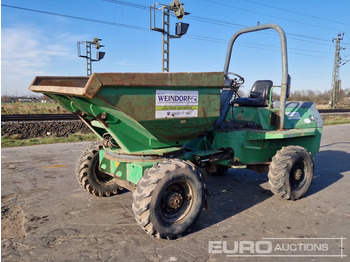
x=259, y=94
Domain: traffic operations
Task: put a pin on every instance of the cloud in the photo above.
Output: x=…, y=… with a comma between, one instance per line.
x=28, y=51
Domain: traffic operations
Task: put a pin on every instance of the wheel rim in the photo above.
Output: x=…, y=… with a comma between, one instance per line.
x=298, y=175
x=176, y=202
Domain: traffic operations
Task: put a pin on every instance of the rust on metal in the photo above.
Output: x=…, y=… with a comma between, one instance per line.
x=102, y=117
x=124, y=183
x=75, y=81
x=193, y=79
x=116, y=158
x=93, y=86
x=59, y=85
x=89, y=87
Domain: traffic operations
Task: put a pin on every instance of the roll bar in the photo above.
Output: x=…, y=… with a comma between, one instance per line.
x=284, y=84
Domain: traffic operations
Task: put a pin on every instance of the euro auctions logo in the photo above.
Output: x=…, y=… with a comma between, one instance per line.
x=240, y=247
x=280, y=247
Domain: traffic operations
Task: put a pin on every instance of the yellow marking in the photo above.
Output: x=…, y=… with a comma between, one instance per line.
x=176, y=108
x=54, y=166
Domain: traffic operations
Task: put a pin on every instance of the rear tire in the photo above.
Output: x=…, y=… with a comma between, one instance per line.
x=291, y=172
x=168, y=199
x=91, y=178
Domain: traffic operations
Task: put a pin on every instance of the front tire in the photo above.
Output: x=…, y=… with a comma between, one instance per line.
x=91, y=178
x=168, y=199
x=291, y=172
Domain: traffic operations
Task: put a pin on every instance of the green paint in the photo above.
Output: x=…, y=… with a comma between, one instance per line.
x=124, y=107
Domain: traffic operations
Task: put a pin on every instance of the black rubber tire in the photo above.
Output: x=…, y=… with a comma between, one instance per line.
x=166, y=181
x=291, y=172
x=91, y=178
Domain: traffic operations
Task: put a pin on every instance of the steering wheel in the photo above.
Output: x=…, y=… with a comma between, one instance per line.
x=236, y=82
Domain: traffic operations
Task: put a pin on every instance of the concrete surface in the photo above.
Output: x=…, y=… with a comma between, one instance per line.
x=46, y=216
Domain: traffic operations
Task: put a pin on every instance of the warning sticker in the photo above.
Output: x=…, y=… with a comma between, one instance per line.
x=175, y=104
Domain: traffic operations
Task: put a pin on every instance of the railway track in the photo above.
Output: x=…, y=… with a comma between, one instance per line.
x=61, y=117
x=333, y=111
x=38, y=117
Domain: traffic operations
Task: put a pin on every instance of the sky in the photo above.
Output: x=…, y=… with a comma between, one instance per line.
x=39, y=37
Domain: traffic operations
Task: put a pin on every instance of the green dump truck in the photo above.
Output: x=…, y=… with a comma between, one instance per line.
x=161, y=133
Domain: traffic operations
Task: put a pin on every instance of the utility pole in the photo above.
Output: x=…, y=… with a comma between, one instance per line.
x=88, y=44
x=180, y=29
x=334, y=97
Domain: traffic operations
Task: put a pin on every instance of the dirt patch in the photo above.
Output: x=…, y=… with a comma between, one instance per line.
x=12, y=220
x=25, y=130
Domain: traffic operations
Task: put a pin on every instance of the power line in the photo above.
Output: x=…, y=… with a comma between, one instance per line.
x=219, y=22
x=197, y=37
x=299, y=13
x=192, y=17
x=260, y=13
x=130, y=4
x=77, y=17
x=215, y=21
x=310, y=37
x=224, y=41
x=259, y=46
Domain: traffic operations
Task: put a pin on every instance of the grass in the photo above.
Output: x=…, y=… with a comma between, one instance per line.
x=13, y=141
x=336, y=120
x=32, y=108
